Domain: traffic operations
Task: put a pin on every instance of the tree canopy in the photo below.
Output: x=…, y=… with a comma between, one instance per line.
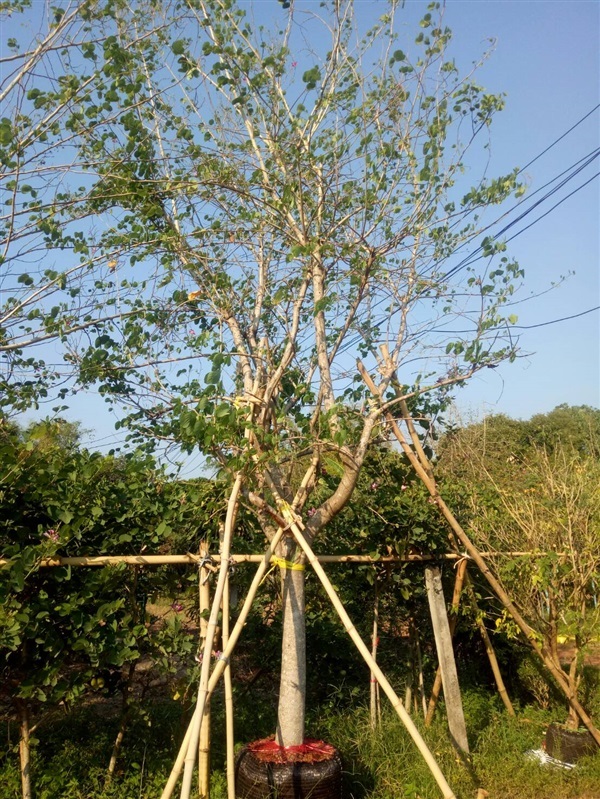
x=226, y=218
x=214, y=215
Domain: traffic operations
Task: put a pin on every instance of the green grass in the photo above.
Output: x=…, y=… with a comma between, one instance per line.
x=72, y=752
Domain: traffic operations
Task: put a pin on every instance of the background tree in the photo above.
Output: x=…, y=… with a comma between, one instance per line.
x=244, y=213
x=66, y=633
x=532, y=490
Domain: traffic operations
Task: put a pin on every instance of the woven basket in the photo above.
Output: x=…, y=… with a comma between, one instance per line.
x=257, y=779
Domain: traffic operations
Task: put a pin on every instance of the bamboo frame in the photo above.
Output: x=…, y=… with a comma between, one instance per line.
x=373, y=684
x=223, y=660
x=203, y=689
x=489, y=649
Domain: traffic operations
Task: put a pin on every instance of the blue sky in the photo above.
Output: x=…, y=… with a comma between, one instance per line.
x=547, y=61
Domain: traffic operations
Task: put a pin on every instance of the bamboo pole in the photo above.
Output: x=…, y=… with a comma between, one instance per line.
x=229, y=717
x=364, y=651
x=24, y=750
x=204, y=745
x=374, y=642
x=408, y=691
x=420, y=677
x=201, y=702
x=490, y=650
x=223, y=659
x=191, y=559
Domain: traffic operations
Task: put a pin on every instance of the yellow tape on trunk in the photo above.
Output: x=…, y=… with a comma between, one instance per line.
x=287, y=564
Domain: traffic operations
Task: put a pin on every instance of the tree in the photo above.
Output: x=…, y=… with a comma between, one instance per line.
x=532, y=488
x=66, y=633
x=253, y=213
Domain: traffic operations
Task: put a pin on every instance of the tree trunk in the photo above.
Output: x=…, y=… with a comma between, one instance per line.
x=117, y=745
x=125, y=710
x=364, y=651
x=292, y=687
x=24, y=749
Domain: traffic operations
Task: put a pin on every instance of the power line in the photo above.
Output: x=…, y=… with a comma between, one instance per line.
x=473, y=257
x=555, y=321
x=593, y=155
x=560, y=138
x=581, y=166
x=531, y=327
x=560, y=202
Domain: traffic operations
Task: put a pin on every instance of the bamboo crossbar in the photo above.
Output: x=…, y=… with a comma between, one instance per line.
x=190, y=558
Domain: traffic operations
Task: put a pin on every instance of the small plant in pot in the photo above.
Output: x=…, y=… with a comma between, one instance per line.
x=568, y=745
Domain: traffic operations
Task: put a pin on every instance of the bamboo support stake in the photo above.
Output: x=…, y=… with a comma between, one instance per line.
x=223, y=660
x=364, y=651
x=410, y=675
x=374, y=642
x=408, y=691
x=204, y=744
x=490, y=651
x=213, y=620
x=24, y=750
x=229, y=717
x=540, y=649
x=420, y=677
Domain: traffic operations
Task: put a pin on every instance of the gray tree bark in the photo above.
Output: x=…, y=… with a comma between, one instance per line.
x=292, y=687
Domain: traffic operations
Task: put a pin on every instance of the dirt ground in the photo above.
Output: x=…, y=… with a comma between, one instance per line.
x=592, y=656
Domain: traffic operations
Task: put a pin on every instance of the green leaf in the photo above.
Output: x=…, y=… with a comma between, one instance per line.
x=311, y=77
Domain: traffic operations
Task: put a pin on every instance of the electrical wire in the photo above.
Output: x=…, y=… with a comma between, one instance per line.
x=560, y=202
x=555, y=321
x=560, y=138
x=472, y=257
x=594, y=154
